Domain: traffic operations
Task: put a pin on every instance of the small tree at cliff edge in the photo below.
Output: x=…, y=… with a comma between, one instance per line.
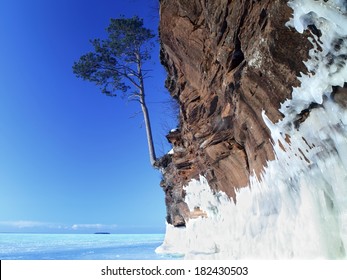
x=117, y=65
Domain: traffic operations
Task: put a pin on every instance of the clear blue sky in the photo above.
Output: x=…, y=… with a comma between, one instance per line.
x=72, y=159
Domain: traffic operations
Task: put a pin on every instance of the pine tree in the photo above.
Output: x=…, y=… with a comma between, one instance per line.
x=116, y=64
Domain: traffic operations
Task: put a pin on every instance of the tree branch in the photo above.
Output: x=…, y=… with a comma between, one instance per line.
x=120, y=73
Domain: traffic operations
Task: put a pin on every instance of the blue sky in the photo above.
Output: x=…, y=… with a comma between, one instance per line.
x=72, y=159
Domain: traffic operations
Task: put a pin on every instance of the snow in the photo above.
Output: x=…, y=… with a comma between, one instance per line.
x=256, y=60
x=298, y=208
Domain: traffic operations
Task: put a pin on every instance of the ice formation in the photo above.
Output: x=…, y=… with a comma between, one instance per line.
x=298, y=208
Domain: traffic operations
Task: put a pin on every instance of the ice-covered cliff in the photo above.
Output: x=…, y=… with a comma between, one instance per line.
x=259, y=168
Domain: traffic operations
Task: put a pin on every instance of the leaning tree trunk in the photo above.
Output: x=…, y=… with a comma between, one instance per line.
x=152, y=156
x=151, y=150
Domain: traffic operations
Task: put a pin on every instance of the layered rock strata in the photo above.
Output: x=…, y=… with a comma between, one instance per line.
x=227, y=61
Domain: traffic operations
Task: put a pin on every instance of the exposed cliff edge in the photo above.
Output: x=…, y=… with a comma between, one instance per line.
x=259, y=164
x=227, y=60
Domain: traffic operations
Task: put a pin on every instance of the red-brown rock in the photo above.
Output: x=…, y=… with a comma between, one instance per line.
x=227, y=60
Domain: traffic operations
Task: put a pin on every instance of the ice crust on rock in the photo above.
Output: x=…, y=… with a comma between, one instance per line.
x=298, y=208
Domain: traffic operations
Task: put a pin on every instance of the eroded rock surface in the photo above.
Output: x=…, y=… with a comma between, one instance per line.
x=227, y=60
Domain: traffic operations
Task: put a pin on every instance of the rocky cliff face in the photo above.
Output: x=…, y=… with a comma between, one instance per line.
x=227, y=61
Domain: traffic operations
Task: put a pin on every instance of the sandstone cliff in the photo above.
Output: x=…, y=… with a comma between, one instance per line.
x=227, y=60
